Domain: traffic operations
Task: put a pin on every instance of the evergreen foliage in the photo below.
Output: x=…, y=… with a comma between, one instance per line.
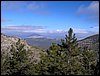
x=66, y=58
x=17, y=62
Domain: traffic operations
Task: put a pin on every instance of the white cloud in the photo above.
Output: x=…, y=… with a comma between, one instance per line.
x=41, y=29
x=93, y=8
x=23, y=28
x=91, y=12
x=78, y=30
x=94, y=30
x=56, y=31
x=75, y=30
x=12, y=5
x=30, y=28
x=36, y=31
x=34, y=6
x=23, y=6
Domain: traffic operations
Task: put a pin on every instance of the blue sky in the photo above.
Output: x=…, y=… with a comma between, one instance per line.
x=50, y=16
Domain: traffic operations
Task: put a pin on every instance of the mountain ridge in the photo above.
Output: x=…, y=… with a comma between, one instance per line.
x=45, y=42
x=92, y=42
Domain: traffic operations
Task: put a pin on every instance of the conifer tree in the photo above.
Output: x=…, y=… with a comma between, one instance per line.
x=89, y=60
x=55, y=62
x=18, y=61
x=70, y=43
x=5, y=65
x=67, y=58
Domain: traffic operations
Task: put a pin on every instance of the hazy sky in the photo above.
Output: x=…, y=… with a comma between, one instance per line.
x=50, y=16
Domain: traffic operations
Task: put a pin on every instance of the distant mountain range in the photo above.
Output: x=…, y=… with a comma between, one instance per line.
x=24, y=35
x=91, y=42
x=41, y=42
x=35, y=36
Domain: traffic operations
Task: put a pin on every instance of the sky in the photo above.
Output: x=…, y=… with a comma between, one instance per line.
x=50, y=16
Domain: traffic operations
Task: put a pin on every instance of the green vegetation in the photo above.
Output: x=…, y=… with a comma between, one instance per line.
x=17, y=62
x=66, y=58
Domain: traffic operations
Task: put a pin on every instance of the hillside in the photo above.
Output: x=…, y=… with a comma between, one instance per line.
x=52, y=59
x=7, y=41
x=91, y=42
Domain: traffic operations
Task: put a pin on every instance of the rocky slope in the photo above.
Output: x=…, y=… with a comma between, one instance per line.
x=91, y=42
x=7, y=41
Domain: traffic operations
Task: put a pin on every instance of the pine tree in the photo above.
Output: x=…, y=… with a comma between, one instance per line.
x=67, y=58
x=18, y=61
x=96, y=70
x=70, y=43
x=58, y=59
x=89, y=60
x=5, y=65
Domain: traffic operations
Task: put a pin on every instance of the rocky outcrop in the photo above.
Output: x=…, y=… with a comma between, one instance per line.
x=8, y=41
x=91, y=42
